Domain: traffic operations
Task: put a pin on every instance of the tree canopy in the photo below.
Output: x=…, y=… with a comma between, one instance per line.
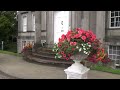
x=8, y=25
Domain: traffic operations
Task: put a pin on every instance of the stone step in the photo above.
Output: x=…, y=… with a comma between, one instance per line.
x=50, y=61
x=45, y=49
x=46, y=53
x=43, y=56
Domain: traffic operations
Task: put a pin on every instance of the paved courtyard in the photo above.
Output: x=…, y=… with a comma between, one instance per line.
x=12, y=67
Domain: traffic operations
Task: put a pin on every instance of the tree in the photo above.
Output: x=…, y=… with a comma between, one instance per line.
x=8, y=25
x=8, y=29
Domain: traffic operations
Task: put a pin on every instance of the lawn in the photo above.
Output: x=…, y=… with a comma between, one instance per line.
x=10, y=53
x=106, y=69
x=11, y=47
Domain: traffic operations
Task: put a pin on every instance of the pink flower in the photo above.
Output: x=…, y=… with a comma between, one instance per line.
x=68, y=39
x=77, y=29
x=89, y=43
x=68, y=36
x=69, y=55
x=73, y=49
x=67, y=58
x=63, y=37
x=61, y=40
x=93, y=38
x=87, y=34
x=77, y=35
x=80, y=32
x=83, y=38
x=64, y=55
x=72, y=37
x=59, y=45
x=73, y=43
x=62, y=52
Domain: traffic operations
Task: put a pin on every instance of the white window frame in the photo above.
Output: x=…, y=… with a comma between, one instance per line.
x=110, y=21
x=116, y=64
x=33, y=22
x=112, y=52
x=23, y=26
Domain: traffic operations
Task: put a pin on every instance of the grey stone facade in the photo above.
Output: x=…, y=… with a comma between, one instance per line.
x=98, y=21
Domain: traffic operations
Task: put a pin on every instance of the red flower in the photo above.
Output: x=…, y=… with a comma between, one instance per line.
x=89, y=43
x=59, y=45
x=83, y=38
x=64, y=55
x=87, y=34
x=69, y=55
x=62, y=52
x=78, y=29
x=67, y=58
x=60, y=40
x=73, y=43
x=80, y=32
x=73, y=49
x=63, y=37
x=77, y=35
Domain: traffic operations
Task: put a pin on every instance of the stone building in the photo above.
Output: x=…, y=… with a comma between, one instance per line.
x=48, y=26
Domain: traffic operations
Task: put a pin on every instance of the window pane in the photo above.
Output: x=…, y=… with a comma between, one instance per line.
x=114, y=52
x=118, y=47
x=119, y=13
x=116, y=13
x=112, y=14
x=112, y=19
x=117, y=61
x=110, y=56
x=24, y=28
x=118, y=52
x=118, y=57
x=114, y=56
x=25, y=20
x=110, y=47
x=116, y=23
x=110, y=51
x=114, y=47
x=117, y=18
x=112, y=24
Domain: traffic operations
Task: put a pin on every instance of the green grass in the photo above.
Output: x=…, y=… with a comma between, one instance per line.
x=11, y=47
x=106, y=69
x=10, y=53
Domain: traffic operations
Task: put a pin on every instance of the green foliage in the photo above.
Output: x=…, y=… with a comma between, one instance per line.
x=8, y=25
x=12, y=47
x=8, y=29
x=10, y=53
x=105, y=69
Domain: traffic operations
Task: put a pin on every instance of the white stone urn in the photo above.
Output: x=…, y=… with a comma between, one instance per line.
x=77, y=70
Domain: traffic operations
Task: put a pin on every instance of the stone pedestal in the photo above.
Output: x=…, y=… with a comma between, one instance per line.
x=77, y=70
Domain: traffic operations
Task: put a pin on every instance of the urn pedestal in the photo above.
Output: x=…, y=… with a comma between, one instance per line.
x=77, y=70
